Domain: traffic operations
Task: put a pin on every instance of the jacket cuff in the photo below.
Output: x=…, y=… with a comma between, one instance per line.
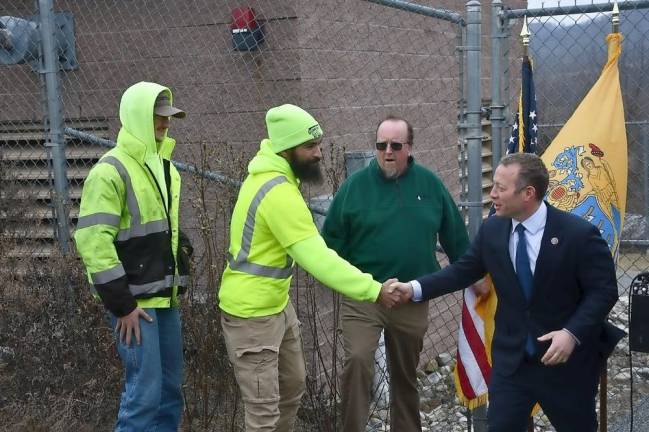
x=116, y=296
x=576, y=339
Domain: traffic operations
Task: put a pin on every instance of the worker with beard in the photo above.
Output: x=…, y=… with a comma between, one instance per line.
x=271, y=229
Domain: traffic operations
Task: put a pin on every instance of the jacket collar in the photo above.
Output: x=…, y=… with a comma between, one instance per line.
x=266, y=160
x=138, y=150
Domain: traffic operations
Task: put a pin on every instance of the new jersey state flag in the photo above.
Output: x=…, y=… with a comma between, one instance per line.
x=588, y=158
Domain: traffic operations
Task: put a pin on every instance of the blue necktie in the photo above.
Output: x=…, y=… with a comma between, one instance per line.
x=525, y=277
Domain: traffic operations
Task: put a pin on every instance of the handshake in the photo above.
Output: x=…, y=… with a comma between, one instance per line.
x=394, y=293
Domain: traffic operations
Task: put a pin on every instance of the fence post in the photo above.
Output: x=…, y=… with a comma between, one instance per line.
x=472, y=48
x=473, y=117
x=49, y=68
x=644, y=127
x=497, y=107
x=461, y=122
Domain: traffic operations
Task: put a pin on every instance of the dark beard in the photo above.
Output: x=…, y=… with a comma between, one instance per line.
x=306, y=171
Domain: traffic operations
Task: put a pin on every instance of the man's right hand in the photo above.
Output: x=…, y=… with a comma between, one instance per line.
x=404, y=289
x=129, y=325
x=388, y=297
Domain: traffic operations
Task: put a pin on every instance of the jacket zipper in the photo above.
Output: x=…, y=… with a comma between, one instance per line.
x=173, y=261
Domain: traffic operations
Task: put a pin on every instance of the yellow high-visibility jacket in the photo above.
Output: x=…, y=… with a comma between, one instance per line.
x=272, y=227
x=127, y=233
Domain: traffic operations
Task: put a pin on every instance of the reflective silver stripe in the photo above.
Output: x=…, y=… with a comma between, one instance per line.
x=142, y=230
x=98, y=219
x=259, y=269
x=109, y=275
x=241, y=262
x=137, y=228
x=154, y=287
x=131, y=200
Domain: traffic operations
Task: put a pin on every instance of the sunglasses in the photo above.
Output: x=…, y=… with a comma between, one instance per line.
x=395, y=146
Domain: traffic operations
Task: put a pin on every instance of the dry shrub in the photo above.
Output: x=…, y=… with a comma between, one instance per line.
x=60, y=367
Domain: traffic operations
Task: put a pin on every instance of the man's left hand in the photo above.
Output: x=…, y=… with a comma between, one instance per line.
x=481, y=287
x=563, y=343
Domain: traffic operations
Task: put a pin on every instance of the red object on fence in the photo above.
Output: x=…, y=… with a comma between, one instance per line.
x=244, y=18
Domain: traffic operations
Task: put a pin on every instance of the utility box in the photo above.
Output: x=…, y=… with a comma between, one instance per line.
x=20, y=40
x=247, y=30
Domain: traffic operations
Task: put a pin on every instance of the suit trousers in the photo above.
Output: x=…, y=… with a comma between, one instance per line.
x=268, y=360
x=566, y=393
x=405, y=327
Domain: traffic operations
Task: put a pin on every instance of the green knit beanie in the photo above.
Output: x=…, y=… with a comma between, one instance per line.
x=289, y=126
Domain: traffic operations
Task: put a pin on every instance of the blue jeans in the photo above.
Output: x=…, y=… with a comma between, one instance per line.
x=152, y=398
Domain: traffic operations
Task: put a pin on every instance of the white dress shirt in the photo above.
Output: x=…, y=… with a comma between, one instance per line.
x=534, y=228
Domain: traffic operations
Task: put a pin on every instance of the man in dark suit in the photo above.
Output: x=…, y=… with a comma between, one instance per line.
x=555, y=280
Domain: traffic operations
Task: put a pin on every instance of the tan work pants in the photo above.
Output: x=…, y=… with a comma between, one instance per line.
x=405, y=327
x=268, y=360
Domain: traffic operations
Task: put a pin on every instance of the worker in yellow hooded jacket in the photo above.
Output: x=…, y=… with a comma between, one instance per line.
x=128, y=238
x=271, y=228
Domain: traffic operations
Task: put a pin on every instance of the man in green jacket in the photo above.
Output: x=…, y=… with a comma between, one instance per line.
x=271, y=228
x=386, y=220
x=128, y=238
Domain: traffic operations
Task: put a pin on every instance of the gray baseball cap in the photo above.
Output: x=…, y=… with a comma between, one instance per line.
x=164, y=108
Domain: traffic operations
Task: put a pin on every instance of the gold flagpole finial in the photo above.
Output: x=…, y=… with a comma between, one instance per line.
x=615, y=18
x=525, y=36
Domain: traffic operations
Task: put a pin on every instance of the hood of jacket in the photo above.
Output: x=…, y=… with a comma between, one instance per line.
x=266, y=160
x=137, y=135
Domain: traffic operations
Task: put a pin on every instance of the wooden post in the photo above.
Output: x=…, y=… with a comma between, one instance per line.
x=603, y=398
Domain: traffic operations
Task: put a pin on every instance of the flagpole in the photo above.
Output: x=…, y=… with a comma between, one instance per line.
x=525, y=40
x=525, y=37
x=603, y=378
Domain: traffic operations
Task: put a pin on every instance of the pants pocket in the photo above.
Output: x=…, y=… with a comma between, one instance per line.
x=256, y=370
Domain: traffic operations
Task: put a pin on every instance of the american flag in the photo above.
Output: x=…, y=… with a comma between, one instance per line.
x=525, y=129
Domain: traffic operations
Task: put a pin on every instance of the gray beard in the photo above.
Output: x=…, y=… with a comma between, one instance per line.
x=390, y=174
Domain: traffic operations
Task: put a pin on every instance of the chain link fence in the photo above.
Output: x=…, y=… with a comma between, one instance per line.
x=349, y=63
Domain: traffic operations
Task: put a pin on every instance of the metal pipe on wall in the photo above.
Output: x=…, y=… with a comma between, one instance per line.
x=49, y=68
x=497, y=107
x=192, y=169
x=442, y=14
x=473, y=114
x=575, y=9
